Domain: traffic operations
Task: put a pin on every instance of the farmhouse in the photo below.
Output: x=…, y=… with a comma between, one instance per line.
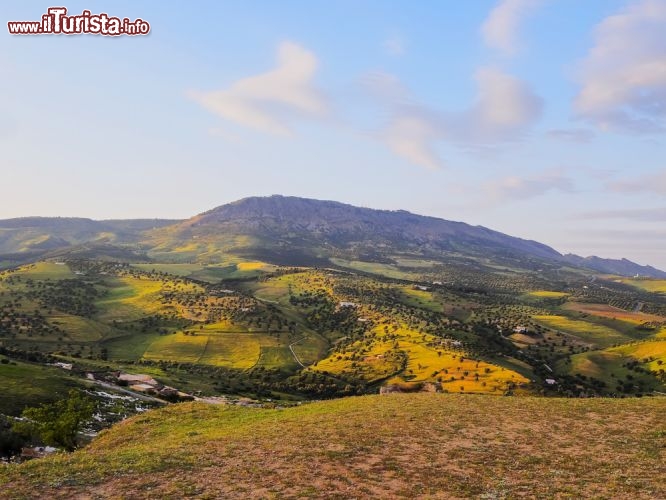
x=36, y=452
x=142, y=387
x=138, y=379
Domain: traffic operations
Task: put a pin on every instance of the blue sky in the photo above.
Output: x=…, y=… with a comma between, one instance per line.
x=543, y=119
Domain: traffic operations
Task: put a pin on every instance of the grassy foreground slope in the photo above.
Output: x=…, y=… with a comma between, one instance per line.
x=402, y=445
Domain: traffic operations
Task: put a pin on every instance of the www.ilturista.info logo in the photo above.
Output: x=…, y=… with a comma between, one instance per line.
x=56, y=22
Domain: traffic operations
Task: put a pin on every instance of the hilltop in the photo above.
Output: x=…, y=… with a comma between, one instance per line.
x=402, y=446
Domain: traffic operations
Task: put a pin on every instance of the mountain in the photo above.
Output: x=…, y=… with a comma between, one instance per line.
x=279, y=228
x=623, y=267
x=26, y=238
x=291, y=231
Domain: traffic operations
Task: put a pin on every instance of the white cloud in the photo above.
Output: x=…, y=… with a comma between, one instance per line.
x=649, y=183
x=503, y=110
x=505, y=105
x=500, y=30
x=414, y=138
x=624, y=75
x=269, y=101
x=521, y=188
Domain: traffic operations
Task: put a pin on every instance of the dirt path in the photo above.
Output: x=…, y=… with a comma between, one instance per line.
x=203, y=353
x=291, y=348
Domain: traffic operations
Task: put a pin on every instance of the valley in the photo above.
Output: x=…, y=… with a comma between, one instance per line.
x=302, y=332
x=278, y=304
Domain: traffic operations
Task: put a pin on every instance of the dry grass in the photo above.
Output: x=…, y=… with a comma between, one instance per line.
x=398, y=446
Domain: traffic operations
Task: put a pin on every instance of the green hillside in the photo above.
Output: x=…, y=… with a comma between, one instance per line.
x=266, y=331
x=397, y=446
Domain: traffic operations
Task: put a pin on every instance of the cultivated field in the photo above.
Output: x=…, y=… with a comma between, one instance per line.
x=548, y=294
x=649, y=285
x=651, y=354
x=409, y=356
x=606, y=311
x=594, y=334
x=388, y=270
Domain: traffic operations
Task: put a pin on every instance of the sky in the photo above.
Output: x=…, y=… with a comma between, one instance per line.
x=543, y=119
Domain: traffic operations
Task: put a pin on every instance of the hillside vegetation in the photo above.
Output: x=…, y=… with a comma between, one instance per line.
x=400, y=445
x=281, y=301
x=301, y=333
x=288, y=231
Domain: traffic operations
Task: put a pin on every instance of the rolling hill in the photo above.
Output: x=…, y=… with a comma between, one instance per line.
x=29, y=238
x=397, y=446
x=284, y=297
x=279, y=301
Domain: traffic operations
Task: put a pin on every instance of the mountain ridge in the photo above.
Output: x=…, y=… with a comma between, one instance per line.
x=286, y=227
